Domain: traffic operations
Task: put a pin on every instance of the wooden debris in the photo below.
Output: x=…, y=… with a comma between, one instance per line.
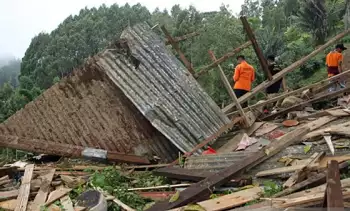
x=329, y=142
x=333, y=195
x=229, y=201
x=256, y=47
x=196, y=176
x=330, y=95
x=301, y=174
x=56, y=195
x=41, y=197
x=290, y=68
x=160, y=187
x=67, y=203
x=24, y=191
x=204, y=187
x=181, y=38
x=320, y=122
x=8, y=205
x=232, y=144
x=222, y=59
x=266, y=128
x=283, y=170
x=178, y=50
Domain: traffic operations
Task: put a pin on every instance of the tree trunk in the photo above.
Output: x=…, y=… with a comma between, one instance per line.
x=347, y=15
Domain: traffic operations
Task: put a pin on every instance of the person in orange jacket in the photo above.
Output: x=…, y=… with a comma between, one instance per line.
x=334, y=64
x=243, y=77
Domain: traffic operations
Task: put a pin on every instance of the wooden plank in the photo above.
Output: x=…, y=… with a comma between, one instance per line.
x=282, y=170
x=301, y=174
x=178, y=50
x=5, y=195
x=204, y=187
x=229, y=201
x=256, y=47
x=195, y=176
x=229, y=89
x=67, y=203
x=222, y=59
x=160, y=187
x=329, y=142
x=183, y=37
x=24, y=191
x=310, y=198
x=232, y=144
x=56, y=195
x=318, y=178
x=322, y=121
x=282, y=73
x=292, y=93
x=329, y=96
x=334, y=196
x=8, y=205
x=41, y=197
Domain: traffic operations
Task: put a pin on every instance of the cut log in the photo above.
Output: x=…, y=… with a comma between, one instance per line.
x=204, y=187
x=290, y=68
x=229, y=201
x=222, y=59
x=327, y=96
x=24, y=191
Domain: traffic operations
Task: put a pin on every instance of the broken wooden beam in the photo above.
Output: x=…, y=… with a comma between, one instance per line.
x=328, y=96
x=24, y=191
x=282, y=73
x=222, y=59
x=66, y=150
x=196, y=176
x=227, y=201
x=292, y=93
x=256, y=47
x=178, y=50
x=247, y=122
x=181, y=38
x=333, y=194
x=204, y=187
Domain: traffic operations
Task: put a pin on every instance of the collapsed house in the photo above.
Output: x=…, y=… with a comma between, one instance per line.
x=133, y=98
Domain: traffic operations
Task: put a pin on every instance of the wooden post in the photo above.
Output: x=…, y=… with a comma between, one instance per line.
x=230, y=91
x=289, y=69
x=333, y=194
x=181, y=38
x=177, y=49
x=256, y=47
x=222, y=59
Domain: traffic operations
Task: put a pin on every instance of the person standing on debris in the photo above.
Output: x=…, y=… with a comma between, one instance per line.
x=243, y=77
x=334, y=62
x=274, y=68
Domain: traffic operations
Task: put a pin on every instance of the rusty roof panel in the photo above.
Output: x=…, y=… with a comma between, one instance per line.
x=161, y=88
x=87, y=109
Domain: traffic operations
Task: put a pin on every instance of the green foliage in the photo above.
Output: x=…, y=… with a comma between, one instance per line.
x=271, y=188
x=289, y=29
x=115, y=183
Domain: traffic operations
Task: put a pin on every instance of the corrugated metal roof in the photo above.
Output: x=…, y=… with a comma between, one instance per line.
x=87, y=109
x=162, y=89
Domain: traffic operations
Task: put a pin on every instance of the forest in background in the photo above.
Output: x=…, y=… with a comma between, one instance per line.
x=289, y=29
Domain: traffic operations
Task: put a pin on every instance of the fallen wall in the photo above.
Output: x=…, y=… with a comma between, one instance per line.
x=87, y=109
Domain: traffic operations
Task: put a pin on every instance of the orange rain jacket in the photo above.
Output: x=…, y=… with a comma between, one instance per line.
x=244, y=76
x=332, y=62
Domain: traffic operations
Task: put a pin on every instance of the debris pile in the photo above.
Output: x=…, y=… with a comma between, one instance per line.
x=134, y=103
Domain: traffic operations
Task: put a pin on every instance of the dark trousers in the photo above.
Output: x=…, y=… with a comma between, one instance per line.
x=274, y=88
x=239, y=93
